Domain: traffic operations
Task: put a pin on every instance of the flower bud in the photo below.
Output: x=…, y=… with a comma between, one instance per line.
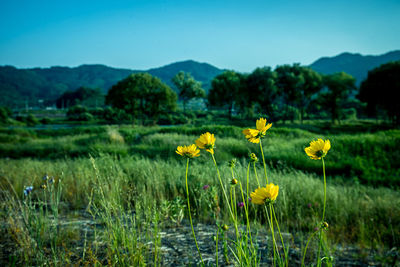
x=253, y=157
x=232, y=163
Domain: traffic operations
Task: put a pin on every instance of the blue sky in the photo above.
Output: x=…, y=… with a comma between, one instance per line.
x=238, y=35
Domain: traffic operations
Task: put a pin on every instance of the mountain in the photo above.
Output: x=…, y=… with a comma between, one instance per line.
x=21, y=86
x=355, y=64
x=202, y=72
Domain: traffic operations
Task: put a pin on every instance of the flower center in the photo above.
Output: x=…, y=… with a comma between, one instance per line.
x=320, y=153
x=260, y=134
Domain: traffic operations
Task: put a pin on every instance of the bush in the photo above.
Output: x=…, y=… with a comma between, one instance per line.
x=31, y=120
x=173, y=119
x=85, y=117
x=75, y=112
x=45, y=120
x=116, y=115
x=349, y=114
x=5, y=113
x=97, y=112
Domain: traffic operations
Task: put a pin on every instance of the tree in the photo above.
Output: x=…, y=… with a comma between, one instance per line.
x=379, y=90
x=142, y=95
x=79, y=113
x=224, y=90
x=188, y=87
x=261, y=89
x=5, y=114
x=81, y=96
x=339, y=86
x=297, y=85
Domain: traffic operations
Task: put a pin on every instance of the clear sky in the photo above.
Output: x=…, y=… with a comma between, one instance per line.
x=239, y=35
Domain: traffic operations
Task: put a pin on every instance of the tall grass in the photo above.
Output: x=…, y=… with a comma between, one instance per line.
x=356, y=213
x=368, y=158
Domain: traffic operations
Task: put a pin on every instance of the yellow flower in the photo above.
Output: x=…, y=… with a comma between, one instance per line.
x=265, y=194
x=188, y=151
x=254, y=135
x=206, y=141
x=318, y=149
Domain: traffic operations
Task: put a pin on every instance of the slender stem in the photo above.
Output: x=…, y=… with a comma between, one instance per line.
x=272, y=232
x=190, y=216
x=323, y=169
x=244, y=206
x=269, y=217
x=247, y=186
x=280, y=235
x=305, y=250
x=265, y=166
x=234, y=207
x=323, y=214
x=223, y=188
x=216, y=247
x=255, y=173
x=227, y=201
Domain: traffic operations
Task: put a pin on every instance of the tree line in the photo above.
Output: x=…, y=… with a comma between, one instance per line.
x=287, y=92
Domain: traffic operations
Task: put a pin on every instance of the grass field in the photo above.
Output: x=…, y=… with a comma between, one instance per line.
x=130, y=184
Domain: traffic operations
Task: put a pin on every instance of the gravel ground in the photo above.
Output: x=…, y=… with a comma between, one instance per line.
x=178, y=247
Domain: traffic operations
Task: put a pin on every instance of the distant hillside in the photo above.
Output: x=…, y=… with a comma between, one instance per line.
x=20, y=85
x=202, y=72
x=355, y=64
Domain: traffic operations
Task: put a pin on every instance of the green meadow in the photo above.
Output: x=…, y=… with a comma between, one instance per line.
x=123, y=185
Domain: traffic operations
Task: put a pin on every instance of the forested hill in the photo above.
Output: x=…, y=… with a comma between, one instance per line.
x=356, y=65
x=20, y=85
x=202, y=72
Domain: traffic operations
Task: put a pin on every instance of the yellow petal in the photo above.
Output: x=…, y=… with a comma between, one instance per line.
x=260, y=124
x=327, y=146
x=199, y=143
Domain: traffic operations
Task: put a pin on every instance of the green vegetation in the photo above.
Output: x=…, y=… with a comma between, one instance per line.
x=188, y=87
x=367, y=157
x=121, y=185
x=288, y=93
x=124, y=184
x=20, y=87
x=386, y=78
x=142, y=96
x=297, y=85
x=81, y=96
x=225, y=90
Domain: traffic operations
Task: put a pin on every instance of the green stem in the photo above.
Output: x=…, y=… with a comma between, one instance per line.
x=234, y=207
x=323, y=169
x=245, y=209
x=280, y=235
x=255, y=173
x=247, y=218
x=190, y=216
x=305, y=250
x=216, y=247
x=223, y=188
x=323, y=214
x=272, y=233
x=265, y=166
x=227, y=200
x=247, y=186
